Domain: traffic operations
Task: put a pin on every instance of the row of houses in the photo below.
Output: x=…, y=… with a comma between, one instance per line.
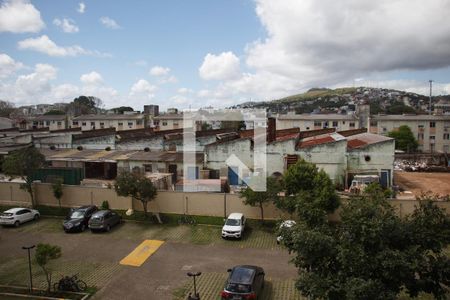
x=102, y=153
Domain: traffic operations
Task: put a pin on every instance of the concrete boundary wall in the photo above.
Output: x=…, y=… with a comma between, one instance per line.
x=201, y=203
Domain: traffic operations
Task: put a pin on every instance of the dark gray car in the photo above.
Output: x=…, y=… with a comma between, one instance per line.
x=104, y=220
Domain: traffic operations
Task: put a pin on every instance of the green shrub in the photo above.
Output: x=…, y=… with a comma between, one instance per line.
x=105, y=205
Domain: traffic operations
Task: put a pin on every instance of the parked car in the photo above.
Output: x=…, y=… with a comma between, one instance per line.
x=234, y=226
x=244, y=282
x=104, y=220
x=78, y=218
x=284, y=226
x=17, y=216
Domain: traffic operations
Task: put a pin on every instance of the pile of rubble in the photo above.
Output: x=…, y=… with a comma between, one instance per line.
x=417, y=166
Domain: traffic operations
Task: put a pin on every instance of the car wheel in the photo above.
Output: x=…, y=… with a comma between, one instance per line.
x=36, y=217
x=83, y=227
x=108, y=228
x=16, y=223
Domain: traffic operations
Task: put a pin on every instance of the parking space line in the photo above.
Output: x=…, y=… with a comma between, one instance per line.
x=142, y=252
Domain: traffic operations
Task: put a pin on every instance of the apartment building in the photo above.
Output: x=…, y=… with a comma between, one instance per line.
x=53, y=122
x=168, y=121
x=431, y=131
x=318, y=121
x=120, y=122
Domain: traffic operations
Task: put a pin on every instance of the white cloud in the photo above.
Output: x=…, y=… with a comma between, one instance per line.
x=8, y=65
x=64, y=92
x=45, y=45
x=142, y=88
x=184, y=91
x=81, y=8
x=37, y=82
x=19, y=16
x=109, y=23
x=92, y=78
x=159, y=71
x=219, y=67
x=66, y=25
x=319, y=43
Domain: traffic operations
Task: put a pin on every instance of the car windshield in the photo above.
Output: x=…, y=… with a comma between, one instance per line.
x=77, y=214
x=233, y=222
x=239, y=288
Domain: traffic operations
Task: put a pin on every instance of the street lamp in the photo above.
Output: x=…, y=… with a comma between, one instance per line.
x=196, y=295
x=29, y=265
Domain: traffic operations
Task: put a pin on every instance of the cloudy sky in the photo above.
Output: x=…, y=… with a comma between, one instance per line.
x=199, y=53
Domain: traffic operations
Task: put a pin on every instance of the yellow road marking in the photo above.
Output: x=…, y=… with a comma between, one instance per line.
x=139, y=255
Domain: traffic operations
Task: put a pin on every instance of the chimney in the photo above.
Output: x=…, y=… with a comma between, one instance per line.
x=271, y=130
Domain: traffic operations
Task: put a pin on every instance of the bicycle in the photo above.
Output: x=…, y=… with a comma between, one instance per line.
x=70, y=283
x=186, y=219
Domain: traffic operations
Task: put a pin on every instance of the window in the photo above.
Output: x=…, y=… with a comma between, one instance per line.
x=47, y=123
x=325, y=124
x=420, y=136
x=335, y=124
x=120, y=124
x=92, y=123
x=35, y=123
x=432, y=137
x=421, y=126
x=41, y=123
x=352, y=124
x=138, y=122
x=432, y=124
x=59, y=123
x=102, y=123
x=317, y=123
x=373, y=123
x=384, y=129
x=164, y=123
x=343, y=122
x=75, y=123
x=175, y=123
x=130, y=123
x=446, y=136
x=83, y=123
x=307, y=128
x=148, y=168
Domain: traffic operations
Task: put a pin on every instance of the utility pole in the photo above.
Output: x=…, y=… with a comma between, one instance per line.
x=431, y=89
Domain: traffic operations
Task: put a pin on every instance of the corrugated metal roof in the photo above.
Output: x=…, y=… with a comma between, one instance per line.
x=314, y=141
x=362, y=140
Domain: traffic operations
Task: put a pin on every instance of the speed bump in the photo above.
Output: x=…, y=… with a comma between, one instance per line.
x=142, y=252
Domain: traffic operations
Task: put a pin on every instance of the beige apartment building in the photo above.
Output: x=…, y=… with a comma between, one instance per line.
x=431, y=131
x=119, y=122
x=168, y=121
x=317, y=121
x=53, y=122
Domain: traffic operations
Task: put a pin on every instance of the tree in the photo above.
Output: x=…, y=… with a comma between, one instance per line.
x=24, y=163
x=58, y=190
x=256, y=198
x=136, y=186
x=373, y=253
x=45, y=253
x=54, y=112
x=6, y=108
x=84, y=105
x=310, y=192
x=404, y=139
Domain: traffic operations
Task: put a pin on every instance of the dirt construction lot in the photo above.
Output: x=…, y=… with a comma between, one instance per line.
x=95, y=258
x=419, y=182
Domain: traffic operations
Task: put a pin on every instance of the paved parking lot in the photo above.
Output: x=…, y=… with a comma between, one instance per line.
x=163, y=276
